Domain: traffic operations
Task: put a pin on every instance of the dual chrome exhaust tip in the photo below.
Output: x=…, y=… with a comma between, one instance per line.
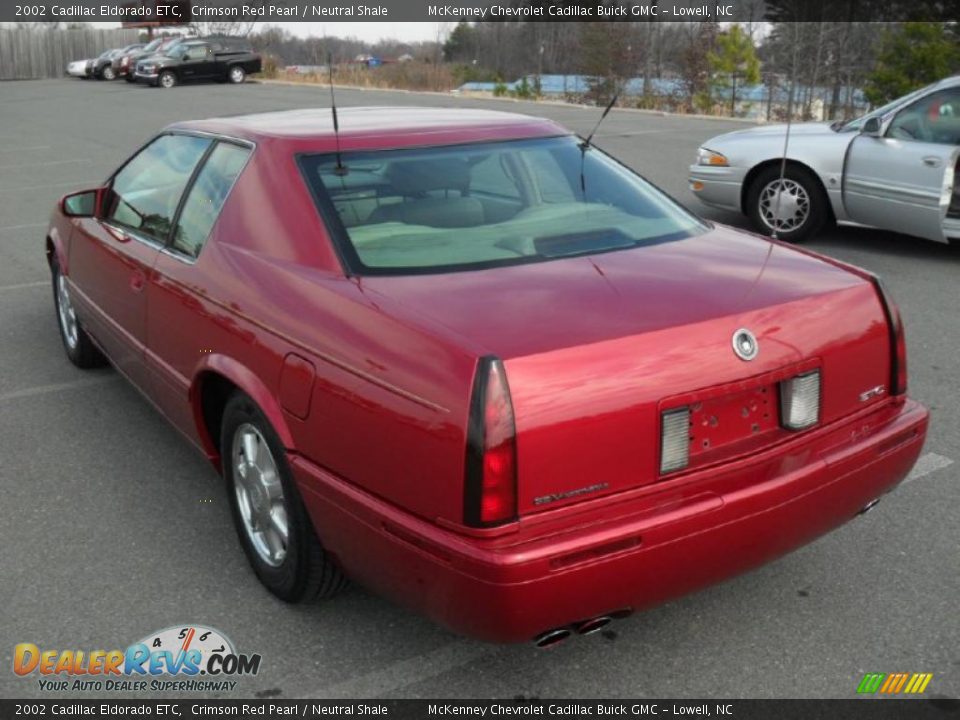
x=552, y=638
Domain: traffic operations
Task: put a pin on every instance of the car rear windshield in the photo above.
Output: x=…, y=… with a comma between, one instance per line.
x=464, y=207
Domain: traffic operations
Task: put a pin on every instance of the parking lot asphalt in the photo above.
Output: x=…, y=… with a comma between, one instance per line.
x=112, y=527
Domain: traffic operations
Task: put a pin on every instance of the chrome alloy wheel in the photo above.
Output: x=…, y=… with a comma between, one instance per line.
x=167, y=80
x=784, y=205
x=236, y=74
x=65, y=311
x=260, y=497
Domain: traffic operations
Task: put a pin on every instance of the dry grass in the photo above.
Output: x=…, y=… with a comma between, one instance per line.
x=396, y=76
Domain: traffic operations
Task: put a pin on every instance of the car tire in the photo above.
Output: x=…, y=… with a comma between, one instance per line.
x=236, y=74
x=804, y=208
x=167, y=79
x=264, y=500
x=108, y=73
x=76, y=343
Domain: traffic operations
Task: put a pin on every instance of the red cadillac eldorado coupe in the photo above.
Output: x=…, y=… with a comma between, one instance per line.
x=475, y=364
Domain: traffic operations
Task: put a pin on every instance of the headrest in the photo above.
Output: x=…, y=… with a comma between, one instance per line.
x=412, y=177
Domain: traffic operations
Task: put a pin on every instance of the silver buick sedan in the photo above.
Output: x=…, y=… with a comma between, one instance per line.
x=892, y=169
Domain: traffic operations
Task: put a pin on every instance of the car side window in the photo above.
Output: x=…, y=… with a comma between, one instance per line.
x=934, y=118
x=206, y=197
x=198, y=52
x=145, y=194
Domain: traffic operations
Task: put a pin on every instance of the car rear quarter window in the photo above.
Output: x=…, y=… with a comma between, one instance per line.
x=479, y=205
x=145, y=193
x=206, y=197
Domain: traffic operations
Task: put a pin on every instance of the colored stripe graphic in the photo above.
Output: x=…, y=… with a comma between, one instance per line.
x=894, y=683
x=918, y=683
x=870, y=683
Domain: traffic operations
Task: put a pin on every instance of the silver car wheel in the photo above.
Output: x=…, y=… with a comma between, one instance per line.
x=784, y=205
x=65, y=311
x=236, y=75
x=108, y=73
x=167, y=80
x=259, y=492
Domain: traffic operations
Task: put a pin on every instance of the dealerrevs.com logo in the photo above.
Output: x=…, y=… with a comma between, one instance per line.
x=178, y=658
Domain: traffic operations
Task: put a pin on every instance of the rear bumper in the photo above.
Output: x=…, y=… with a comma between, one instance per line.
x=719, y=187
x=631, y=551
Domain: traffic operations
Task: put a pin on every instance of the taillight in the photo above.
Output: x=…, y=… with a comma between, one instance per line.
x=800, y=401
x=674, y=440
x=490, y=496
x=898, y=345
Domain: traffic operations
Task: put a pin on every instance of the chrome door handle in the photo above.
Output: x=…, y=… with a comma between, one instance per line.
x=932, y=161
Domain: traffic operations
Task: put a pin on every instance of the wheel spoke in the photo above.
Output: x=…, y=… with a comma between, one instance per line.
x=275, y=544
x=278, y=520
x=250, y=447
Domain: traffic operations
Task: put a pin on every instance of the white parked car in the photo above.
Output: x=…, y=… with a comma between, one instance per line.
x=79, y=68
x=893, y=168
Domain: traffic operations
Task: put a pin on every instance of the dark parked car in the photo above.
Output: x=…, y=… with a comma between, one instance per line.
x=222, y=59
x=105, y=67
x=128, y=63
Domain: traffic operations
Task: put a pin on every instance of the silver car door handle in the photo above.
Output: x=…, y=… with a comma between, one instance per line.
x=932, y=161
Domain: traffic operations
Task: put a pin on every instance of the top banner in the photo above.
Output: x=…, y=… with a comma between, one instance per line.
x=177, y=12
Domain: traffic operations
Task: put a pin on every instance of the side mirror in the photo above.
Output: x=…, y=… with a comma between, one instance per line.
x=81, y=204
x=871, y=127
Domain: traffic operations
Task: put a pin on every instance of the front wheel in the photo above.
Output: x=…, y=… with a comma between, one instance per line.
x=79, y=347
x=236, y=74
x=108, y=73
x=167, y=79
x=794, y=207
x=273, y=526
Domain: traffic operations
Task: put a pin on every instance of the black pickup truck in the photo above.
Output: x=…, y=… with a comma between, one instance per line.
x=224, y=60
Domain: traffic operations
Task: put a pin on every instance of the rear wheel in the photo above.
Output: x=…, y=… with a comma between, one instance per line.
x=79, y=347
x=167, y=79
x=236, y=74
x=796, y=207
x=108, y=73
x=273, y=526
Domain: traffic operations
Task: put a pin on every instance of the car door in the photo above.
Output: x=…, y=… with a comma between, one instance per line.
x=195, y=63
x=903, y=180
x=183, y=321
x=112, y=255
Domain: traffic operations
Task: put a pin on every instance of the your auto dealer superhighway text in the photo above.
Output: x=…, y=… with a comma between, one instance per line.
x=599, y=709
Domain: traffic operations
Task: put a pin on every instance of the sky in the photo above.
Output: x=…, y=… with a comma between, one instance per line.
x=367, y=31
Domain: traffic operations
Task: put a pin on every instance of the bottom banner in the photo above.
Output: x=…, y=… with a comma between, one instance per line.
x=937, y=708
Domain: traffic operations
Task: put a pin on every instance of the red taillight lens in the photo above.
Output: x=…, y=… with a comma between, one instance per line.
x=490, y=496
x=898, y=345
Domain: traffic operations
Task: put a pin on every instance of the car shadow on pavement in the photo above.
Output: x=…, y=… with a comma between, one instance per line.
x=887, y=243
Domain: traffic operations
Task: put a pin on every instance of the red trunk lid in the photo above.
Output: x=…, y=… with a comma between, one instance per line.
x=596, y=347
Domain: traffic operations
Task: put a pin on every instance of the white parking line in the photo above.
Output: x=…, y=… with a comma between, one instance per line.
x=22, y=227
x=79, y=183
x=929, y=463
x=57, y=387
x=634, y=132
x=44, y=164
x=25, y=149
x=23, y=286
x=407, y=672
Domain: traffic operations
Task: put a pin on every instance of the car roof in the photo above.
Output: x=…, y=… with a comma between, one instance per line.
x=316, y=123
